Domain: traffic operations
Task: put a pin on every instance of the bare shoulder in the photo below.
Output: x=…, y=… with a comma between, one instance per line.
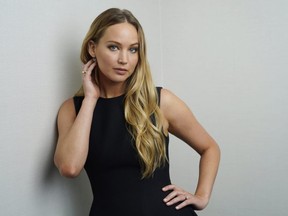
x=182, y=122
x=67, y=107
x=166, y=96
x=66, y=115
x=171, y=105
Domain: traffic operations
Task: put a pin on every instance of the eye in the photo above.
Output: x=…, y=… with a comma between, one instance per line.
x=113, y=48
x=133, y=49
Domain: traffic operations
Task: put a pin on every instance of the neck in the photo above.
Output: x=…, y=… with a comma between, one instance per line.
x=110, y=91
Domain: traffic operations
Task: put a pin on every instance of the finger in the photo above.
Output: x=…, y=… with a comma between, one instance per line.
x=186, y=201
x=177, y=199
x=86, y=66
x=182, y=204
x=174, y=194
x=169, y=187
x=90, y=68
x=170, y=196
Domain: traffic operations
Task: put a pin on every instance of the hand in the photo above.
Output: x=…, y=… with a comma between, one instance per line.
x=91, y=89
x=184, y=198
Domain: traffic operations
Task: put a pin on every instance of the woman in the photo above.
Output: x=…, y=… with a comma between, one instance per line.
x=117, y=125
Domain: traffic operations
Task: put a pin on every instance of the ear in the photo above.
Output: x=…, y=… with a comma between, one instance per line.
x=92, y=48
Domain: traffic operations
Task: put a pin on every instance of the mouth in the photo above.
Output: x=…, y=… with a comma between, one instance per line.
x=120, y=71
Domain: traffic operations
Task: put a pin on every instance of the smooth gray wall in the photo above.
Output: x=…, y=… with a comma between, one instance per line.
x=225, y=59
x=228, y=61
x=40, y=45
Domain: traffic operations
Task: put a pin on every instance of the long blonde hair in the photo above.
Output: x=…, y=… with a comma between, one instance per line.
x=141, y=109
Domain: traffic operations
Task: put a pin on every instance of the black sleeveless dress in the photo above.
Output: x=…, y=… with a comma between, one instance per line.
x=114, y=171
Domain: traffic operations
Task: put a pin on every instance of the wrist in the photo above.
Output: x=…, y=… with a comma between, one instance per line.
x=202, y=201
x=90, y=100
x=204, y=197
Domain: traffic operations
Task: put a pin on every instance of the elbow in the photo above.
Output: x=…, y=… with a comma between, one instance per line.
x=67, y=170
x=213, y=149
x=216, y=151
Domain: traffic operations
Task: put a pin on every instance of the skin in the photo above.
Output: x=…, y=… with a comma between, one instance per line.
x=117, y=57
x=180, y=121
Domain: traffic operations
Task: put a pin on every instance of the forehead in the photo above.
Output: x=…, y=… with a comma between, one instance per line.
x=123, y=32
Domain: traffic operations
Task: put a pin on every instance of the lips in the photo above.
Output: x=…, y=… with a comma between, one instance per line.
x=120, y=71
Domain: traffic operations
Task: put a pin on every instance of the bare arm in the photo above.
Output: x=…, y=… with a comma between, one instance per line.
x=73, y=141
x=183, y=124
x=74, y=131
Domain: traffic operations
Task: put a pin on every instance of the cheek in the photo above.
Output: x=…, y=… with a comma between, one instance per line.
x=105, y=61
x=135, y=61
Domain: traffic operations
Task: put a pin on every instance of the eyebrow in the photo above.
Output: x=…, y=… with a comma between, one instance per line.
x=133, y=44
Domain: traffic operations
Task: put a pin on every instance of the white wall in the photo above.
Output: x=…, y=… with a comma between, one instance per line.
x=226, y=59
x=39, y=56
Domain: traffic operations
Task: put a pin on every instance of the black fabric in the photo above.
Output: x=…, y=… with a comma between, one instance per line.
x=114, y=171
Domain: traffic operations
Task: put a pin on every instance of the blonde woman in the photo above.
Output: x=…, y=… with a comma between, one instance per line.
x=117, y=126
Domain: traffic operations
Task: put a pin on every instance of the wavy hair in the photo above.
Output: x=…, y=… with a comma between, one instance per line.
x=141, y=109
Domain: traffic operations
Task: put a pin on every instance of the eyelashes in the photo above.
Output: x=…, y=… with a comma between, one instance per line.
x=134, y=49
x=113, y=48
x=116, y=48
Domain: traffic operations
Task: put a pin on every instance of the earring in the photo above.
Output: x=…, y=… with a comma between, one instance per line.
x=94, y=59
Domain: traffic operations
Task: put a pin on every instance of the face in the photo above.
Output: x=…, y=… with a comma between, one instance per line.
x=116, y=53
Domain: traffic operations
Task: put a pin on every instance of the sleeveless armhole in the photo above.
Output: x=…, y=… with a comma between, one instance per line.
x=77, y=103
x=152, y=117
x=159, y=94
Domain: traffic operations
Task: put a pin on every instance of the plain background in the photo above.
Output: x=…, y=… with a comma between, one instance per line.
x=226, y=59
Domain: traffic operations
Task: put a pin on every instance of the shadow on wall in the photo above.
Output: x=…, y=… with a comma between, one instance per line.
x=65, y=196
x=71, y=197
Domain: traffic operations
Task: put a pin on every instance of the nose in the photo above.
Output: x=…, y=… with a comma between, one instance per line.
x=123, y=58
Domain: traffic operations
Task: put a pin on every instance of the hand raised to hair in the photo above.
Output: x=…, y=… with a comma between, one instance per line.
x=183, y=198
x=91, y=89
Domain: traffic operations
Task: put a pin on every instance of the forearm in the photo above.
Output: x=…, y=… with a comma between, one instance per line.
x=72, y=147
x=208, y=168
x=207, y=173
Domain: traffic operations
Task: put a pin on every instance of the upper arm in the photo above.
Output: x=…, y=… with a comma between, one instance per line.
x=66, y=117
x=182, y=123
